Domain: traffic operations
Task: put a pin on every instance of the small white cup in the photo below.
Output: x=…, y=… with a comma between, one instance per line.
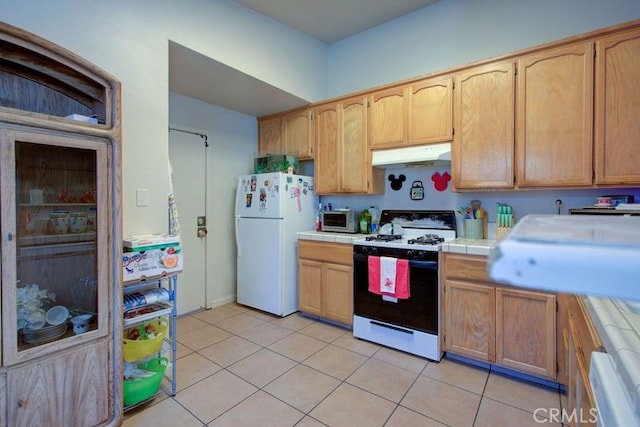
x=36, y=196
x=80, y=323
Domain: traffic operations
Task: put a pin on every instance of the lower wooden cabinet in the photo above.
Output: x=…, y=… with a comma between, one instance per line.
x=65, y=390
x=325, y=280
x=497, y=324
x=580, y=339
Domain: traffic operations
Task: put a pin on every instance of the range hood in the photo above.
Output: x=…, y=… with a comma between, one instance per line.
x=423, y=155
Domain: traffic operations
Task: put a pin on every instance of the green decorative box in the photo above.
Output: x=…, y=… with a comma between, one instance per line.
x=275, y=163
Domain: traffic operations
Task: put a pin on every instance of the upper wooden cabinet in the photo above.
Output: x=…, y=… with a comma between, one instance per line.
x=298, y=134
x=342, y=158
x=554, y=122
x=388, y=117
x=430, y=115
x=415, y=114
x=289, y=133
x=546, y=117
x=617, y=109
x=270, y=136
x=483, y=143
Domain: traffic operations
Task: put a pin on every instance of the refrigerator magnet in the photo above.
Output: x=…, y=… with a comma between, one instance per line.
x=249, y=196
x=254, y=183
x=263, y=198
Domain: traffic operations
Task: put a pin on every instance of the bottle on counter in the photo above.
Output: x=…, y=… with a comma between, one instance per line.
x=365, y=221
x=375, y=219
x=318, y=218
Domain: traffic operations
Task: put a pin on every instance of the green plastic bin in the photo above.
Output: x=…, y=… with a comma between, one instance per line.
x=135, y=391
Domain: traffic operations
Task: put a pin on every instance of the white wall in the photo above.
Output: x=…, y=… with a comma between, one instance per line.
x=523, y=202
x=232, y=146
x=451, y=33
x=129, y=39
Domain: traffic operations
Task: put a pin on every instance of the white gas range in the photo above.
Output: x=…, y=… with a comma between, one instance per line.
x=409, y=324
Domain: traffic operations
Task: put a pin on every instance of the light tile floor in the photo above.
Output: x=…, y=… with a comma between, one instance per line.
x=241, y=367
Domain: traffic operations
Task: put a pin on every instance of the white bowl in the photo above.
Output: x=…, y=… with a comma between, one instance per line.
x=57, y=315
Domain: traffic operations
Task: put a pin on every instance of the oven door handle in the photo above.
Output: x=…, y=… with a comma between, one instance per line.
x=430, y=265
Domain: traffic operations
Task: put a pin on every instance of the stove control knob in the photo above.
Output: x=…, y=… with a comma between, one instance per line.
x=421, y=254
x=374, y=251
x=410, y=253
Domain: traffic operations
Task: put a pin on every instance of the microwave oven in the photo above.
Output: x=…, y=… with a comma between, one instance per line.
x=340, y=221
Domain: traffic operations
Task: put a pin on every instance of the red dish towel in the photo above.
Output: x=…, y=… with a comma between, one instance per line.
x=402, y=290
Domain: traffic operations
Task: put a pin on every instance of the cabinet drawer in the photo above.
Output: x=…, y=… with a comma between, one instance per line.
x=337, y=253
x=467, y=267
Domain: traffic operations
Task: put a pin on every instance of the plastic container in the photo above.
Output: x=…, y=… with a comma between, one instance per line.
x=135, y=391
x=137, y=349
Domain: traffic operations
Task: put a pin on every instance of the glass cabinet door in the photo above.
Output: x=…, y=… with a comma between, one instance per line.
x=54, y=216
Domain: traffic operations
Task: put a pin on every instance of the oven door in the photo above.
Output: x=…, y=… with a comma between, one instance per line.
x=419, y=312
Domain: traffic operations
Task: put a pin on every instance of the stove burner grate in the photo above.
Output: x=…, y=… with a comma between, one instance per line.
x=383, y=237
x=427, y=239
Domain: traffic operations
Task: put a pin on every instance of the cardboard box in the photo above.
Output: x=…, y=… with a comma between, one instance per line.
x=145, y=264
x=151, y=241
x=275, y=163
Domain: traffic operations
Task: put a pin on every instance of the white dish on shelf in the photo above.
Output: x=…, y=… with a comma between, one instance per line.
x=56, y=315
x=45, y=334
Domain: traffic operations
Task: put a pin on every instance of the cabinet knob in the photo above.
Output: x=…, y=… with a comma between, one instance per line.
x=22, y=403
x=9, y=236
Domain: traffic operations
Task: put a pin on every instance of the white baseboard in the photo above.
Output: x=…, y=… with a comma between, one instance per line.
x=222, y=301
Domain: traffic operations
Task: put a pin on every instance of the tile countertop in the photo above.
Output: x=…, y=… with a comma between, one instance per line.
x=619, y=328
x=326, y=236
x=469, y=246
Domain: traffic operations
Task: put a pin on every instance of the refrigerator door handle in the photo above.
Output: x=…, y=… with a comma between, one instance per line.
x=237, y=240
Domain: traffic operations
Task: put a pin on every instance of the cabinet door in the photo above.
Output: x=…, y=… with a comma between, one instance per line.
x=68, y=390
x=387, y=119
x=327, y=162
x=470, y=319
x=337, y=293
x=355, y=166
x=617, y=128
x=483, y=142
x=555, y=117
x=298, y=134
x=430, y=112
x=49, y=256
x=526, y=331
x=310, y=286
x=270, y=136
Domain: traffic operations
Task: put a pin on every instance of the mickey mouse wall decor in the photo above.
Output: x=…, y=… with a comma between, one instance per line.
x=440, y=181
x=396, y=183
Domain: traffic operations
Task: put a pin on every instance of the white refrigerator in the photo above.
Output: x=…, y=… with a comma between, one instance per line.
x=270, y=209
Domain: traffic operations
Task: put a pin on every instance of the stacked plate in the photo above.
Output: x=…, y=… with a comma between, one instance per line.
x=44, y=334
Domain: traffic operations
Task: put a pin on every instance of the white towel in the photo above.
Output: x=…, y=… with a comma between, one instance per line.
x=388, y=275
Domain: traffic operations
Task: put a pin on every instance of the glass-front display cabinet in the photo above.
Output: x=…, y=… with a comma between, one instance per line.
x=60, y=237
x=55, y=196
